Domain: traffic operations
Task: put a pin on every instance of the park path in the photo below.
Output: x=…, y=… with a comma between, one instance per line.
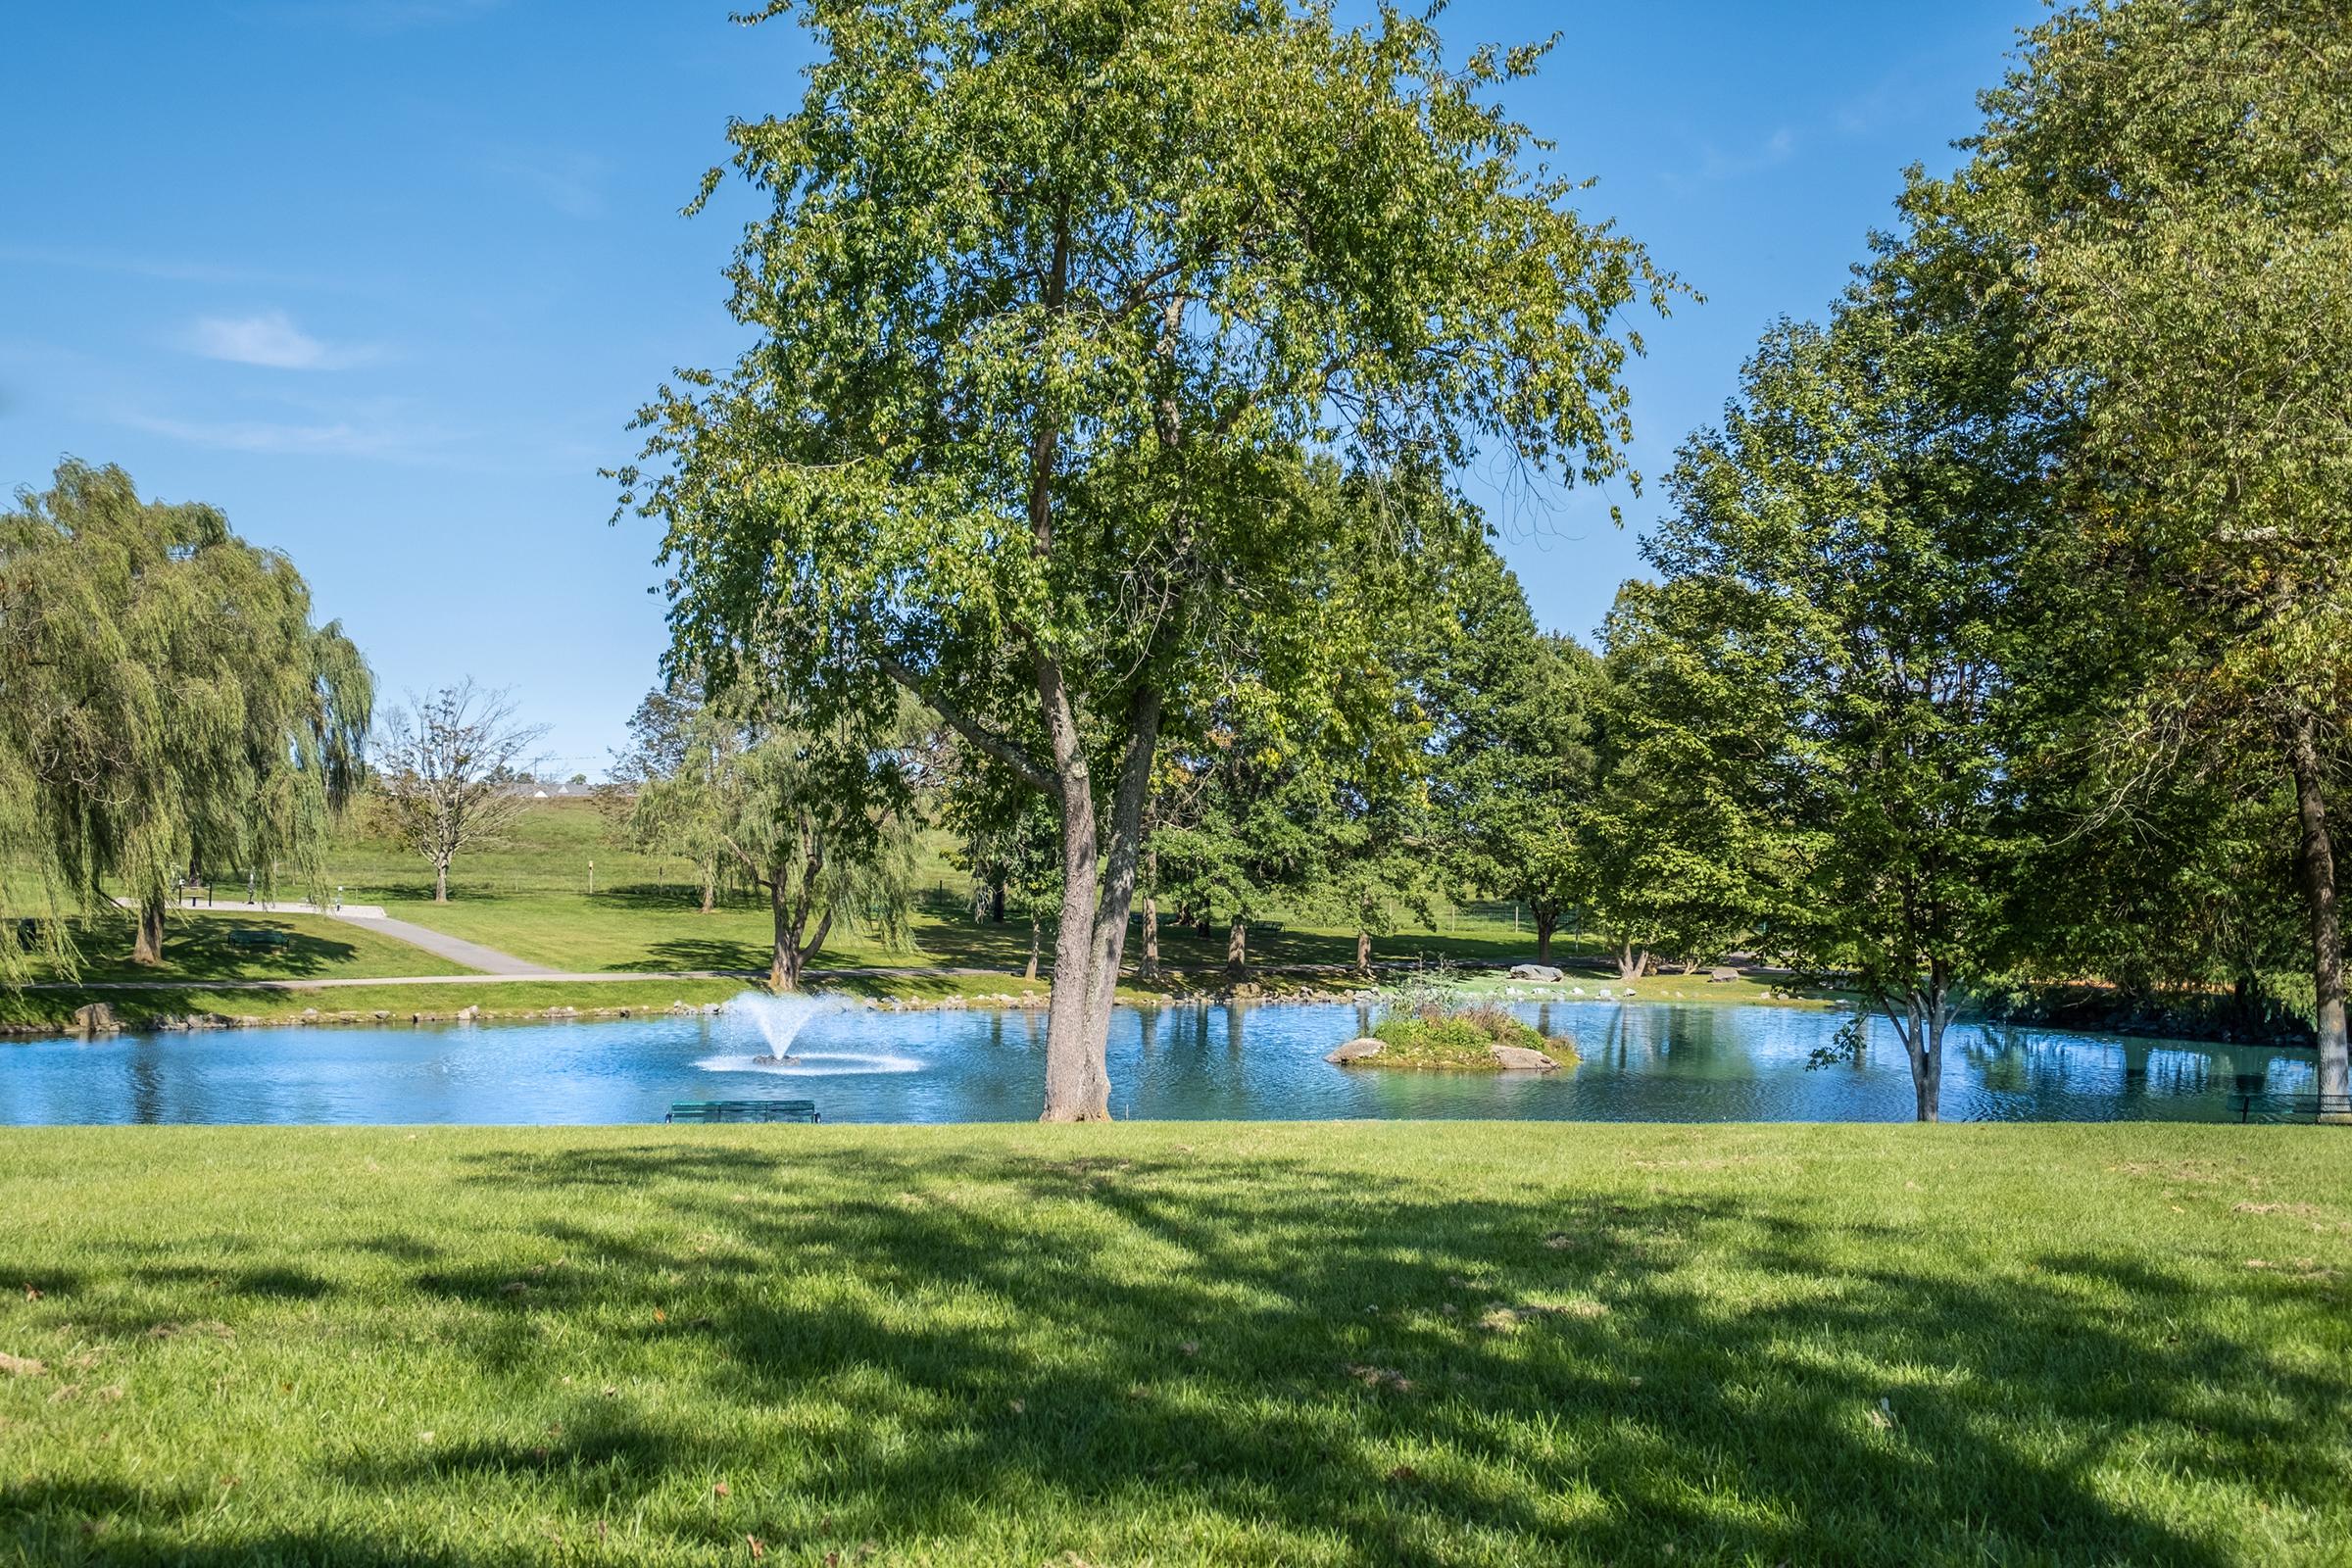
x=457, y=950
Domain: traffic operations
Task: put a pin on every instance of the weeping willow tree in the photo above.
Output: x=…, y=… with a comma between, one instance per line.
x=821, y=821
x=165, y=703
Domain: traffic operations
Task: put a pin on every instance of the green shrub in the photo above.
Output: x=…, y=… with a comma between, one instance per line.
x=1459, y=1038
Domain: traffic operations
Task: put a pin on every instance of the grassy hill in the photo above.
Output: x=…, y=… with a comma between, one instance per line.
x=564, y=889
x=531, y=896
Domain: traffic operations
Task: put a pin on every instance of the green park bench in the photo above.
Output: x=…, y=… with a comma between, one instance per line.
x=260, y=939
x=743, y=1111
x=2289, y=1107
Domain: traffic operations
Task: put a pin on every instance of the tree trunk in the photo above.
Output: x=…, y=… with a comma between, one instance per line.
x=1121, y=865
x=1547, y=921
x=1631, y=961
x=710, y=887
x=1077, y=1075
x=1363, y=954
x=1921, y=1024
x=2318, y=857
x=1036, y=937
x=784, y=968
x=441, y=883
x=1237, y=951
x=1927, y=1077
x=1927, y=1065
x=1149, y=967
x=996, y=905
x=1077, y=1082
x=148, y=947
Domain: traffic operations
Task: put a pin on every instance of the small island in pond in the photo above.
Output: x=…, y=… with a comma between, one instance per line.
x=1468, y=1040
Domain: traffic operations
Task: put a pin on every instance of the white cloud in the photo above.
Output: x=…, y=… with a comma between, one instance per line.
x=269, y=339
x=569, y=182
x=171, y=269
x=379, y=431
x=263, y=435
x=1773, y=151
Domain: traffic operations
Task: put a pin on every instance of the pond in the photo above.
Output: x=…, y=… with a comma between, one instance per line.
x=1642, y=1062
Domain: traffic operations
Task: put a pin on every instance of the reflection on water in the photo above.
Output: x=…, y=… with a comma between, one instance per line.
x=812, y=1063
x=1642, y=1062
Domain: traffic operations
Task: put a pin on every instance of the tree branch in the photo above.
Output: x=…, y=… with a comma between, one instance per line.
x=1031, y=771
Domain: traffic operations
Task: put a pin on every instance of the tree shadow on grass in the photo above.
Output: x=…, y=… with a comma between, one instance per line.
x=701, y=952
x=1253, y=1355
x=671, y=898
x=1304, y=1359
x=201, y=947
x=108, y=1523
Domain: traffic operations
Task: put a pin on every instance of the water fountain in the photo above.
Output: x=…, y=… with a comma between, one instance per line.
x=779, y=1021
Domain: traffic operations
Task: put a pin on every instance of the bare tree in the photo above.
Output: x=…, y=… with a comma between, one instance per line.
x=453, y=770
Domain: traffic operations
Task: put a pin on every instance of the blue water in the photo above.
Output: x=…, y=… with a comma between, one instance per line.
x=1642, y=1062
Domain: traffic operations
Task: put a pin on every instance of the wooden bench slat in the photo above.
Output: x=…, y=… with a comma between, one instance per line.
x=719, y=1111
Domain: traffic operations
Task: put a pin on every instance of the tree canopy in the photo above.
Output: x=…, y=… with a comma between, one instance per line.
x=167, y=706
x=1056, y=307
x=2163, y=187
x=1846, y=563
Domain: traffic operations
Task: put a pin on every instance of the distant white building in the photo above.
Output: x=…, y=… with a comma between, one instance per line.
x=548, y=790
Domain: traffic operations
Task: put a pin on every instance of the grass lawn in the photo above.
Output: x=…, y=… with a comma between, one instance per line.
x=138, y=1010
x=198, y=947
x=654, y=927
x=530, y=896
x=1174, y=1344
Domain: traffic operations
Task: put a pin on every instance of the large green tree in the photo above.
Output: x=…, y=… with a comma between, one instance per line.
x=1252, y=832
x=1380, y=860
x=1846, y=563
x=1053, y=303
x=1667, y=845
x=1508, y=764
x=2164, y=181
x=165, y=703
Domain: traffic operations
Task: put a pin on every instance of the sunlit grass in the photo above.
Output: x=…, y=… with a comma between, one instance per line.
x=199, y=946
x=1465, y=1343
x=531, y=896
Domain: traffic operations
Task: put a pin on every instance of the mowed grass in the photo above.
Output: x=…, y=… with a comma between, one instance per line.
x=534, y=894
x=530, y=895
x=359, y=1004
x=1177, y=1344
x=199, y=947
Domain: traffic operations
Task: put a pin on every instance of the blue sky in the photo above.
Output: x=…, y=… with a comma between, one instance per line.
x=385, y=278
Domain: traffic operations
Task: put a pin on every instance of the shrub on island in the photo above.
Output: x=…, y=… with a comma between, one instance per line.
x=1456, y=1039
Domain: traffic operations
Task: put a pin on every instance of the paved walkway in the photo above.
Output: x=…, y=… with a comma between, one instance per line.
x=342, y=912
x=457, y=950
